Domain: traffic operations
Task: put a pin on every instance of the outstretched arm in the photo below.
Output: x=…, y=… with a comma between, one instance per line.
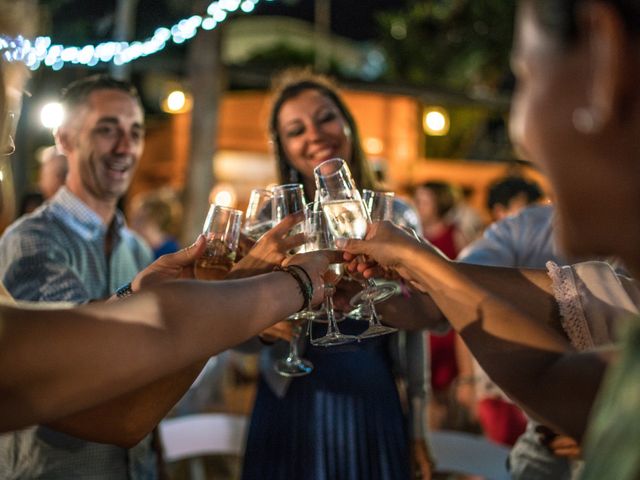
x=504, y=316
x=55, y=363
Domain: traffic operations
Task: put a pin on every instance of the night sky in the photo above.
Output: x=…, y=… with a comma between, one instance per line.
x=79, y=21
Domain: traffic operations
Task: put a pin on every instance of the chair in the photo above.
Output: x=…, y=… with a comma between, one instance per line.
x=465, y=453
x=193, y=436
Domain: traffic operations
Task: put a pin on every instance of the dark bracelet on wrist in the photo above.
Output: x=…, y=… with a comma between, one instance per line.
x=304, y=284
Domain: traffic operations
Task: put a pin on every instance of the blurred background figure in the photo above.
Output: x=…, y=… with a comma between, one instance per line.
x=51, y=176
x=434, y=201
x=156, y=216
x=53, y=171
x=511, y=194
x=465, y=216
x=29, y=202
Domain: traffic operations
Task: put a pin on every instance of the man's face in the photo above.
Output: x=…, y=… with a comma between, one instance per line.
x=103, y=143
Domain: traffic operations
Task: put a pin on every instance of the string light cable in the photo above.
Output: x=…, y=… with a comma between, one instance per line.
x=42, y=51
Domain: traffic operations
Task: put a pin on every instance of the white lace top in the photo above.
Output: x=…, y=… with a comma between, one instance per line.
x=592, y=299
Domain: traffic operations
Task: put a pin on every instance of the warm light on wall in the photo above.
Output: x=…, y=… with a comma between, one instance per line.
x=435, y=121
x=223, y=194
x=373, y=146
x=177, y=102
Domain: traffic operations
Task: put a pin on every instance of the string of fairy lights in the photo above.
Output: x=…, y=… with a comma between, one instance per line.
x=42, y=51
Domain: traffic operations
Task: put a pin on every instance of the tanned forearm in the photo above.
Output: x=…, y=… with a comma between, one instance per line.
x=98, y=352
x=126, y=420
x=416, y=311
x=510, y=323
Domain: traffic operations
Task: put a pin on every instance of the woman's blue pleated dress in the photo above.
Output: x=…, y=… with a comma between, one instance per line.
x=344, y=421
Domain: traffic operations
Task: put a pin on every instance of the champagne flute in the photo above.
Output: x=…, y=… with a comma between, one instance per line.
x=318, y=237
x=222, y=231
x=379, y=205
x=288, y=199
x=258, y=218
x=338, y=194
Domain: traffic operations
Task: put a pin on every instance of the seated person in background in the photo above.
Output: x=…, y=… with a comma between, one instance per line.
x=155, y=216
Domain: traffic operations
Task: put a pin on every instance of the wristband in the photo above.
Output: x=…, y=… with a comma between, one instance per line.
x=124, y=291
x=303, y=271
x=306, y=288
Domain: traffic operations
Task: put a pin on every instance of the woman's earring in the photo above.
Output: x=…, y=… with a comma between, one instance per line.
x=347, y=131
x=586, y=120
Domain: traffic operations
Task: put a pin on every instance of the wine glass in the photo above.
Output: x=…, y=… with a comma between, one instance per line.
x=318, y=237
x=339, y=196
x=288, y=199
x=379, y=205
x=222, y=231
x=258, y=218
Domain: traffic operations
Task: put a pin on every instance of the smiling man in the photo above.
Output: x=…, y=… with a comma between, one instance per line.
x=76, y=248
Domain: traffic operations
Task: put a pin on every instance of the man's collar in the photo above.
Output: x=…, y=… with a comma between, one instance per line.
x=79, y=216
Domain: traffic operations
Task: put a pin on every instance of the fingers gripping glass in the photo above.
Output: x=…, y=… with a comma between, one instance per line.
x=379, y=205
x=222, y=231
x=348, y=217
x=318, y=237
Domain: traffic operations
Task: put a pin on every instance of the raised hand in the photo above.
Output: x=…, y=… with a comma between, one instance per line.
x=172, y=266
x=270, y=250
x=383, y=248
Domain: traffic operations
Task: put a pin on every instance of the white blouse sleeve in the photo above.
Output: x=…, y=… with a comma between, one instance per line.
x=592, y=299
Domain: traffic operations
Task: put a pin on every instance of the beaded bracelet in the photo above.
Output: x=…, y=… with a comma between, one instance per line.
x=306, y=288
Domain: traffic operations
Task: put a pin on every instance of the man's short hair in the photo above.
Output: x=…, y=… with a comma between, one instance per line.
x=77, y=92
x=506, y=189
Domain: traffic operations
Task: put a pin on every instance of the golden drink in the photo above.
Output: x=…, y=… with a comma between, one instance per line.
x=216, y=261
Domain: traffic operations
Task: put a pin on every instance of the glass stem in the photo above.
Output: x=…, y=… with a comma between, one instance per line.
x=293, y=343
x=370, y=310
x=328, y=305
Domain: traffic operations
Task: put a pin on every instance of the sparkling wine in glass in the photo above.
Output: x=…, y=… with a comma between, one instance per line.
x=318, y=237
x=222, y=232
x=346, y=213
